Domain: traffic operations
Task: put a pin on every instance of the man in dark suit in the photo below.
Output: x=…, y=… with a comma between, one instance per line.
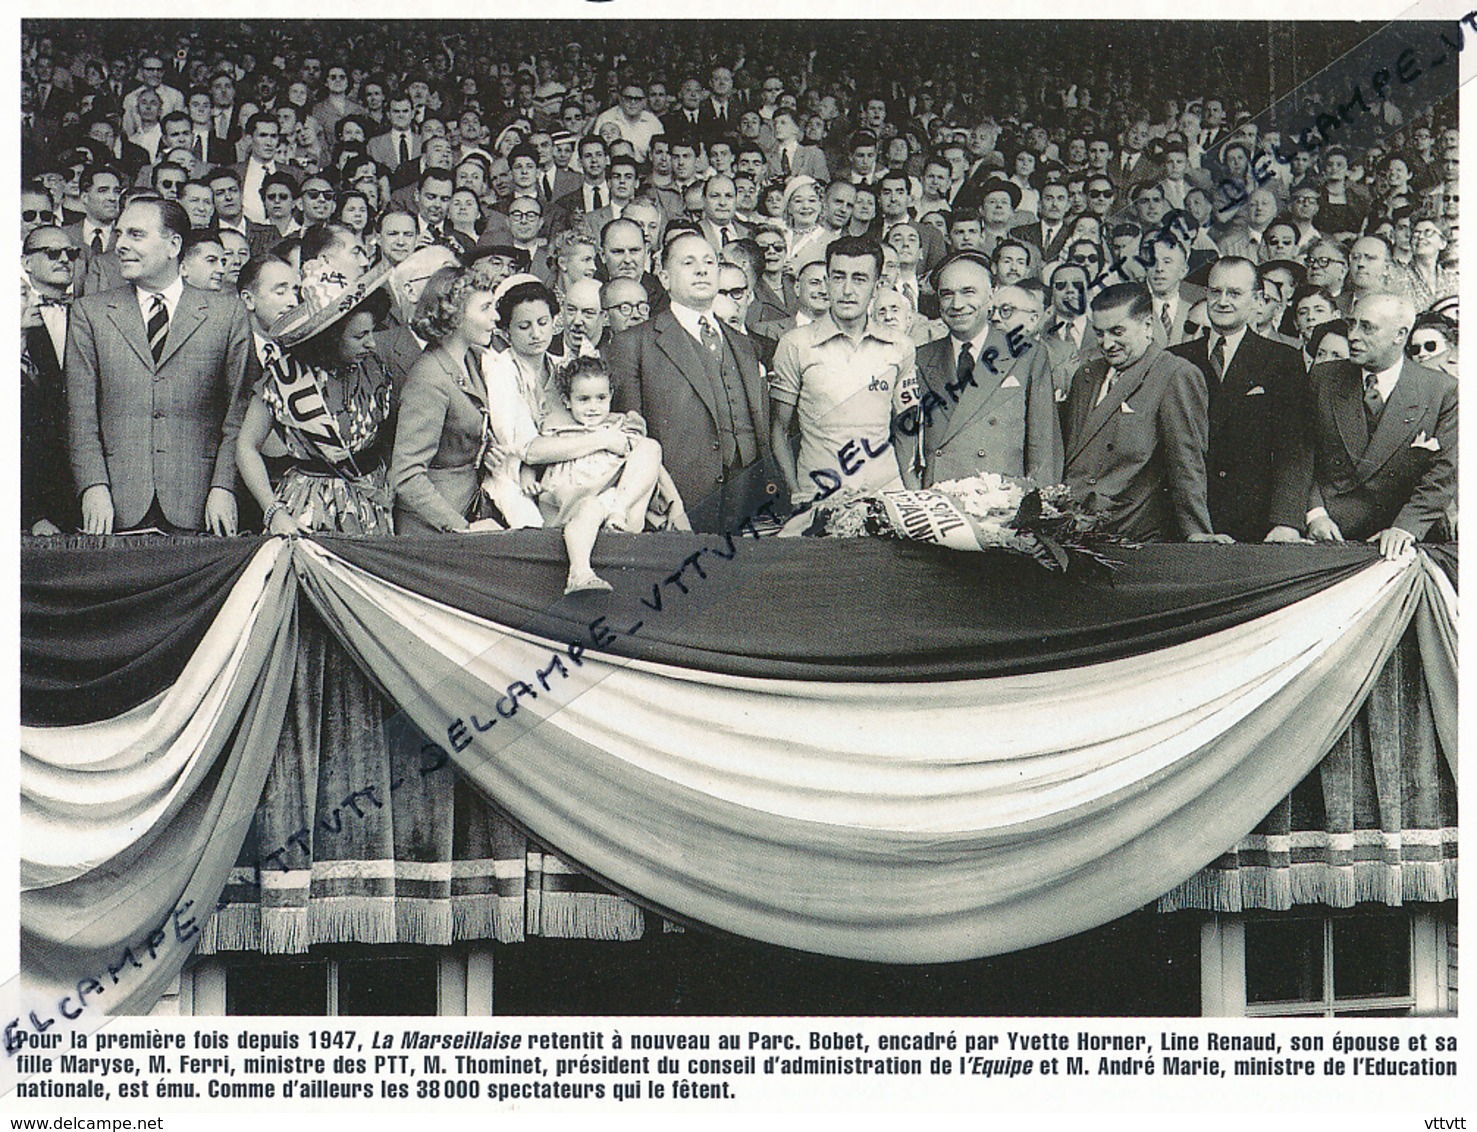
x=735, y=297
x=48, y=498
x=985, y=401
x=1256, y=402
x=699, y=389
x=719, y=113
x=1136, y=424
x=1382, y=458
x=686, y=118
x=208, y=149
x=1048, y=236
x=155, y=375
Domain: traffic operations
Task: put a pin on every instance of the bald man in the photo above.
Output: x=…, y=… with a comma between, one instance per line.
x=584, y=321
x=1382, y=463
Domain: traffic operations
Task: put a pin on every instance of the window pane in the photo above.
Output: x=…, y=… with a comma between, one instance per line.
x=396, y=985
x=1284, y=961
x=1371, y=955
x=277, y=984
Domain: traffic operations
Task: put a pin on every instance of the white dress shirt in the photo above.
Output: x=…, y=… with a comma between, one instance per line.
x=170, y=294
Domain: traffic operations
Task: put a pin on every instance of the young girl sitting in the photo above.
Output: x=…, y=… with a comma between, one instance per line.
x=614, y=486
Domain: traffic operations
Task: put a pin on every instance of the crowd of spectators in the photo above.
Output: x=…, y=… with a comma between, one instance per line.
x=432, y=277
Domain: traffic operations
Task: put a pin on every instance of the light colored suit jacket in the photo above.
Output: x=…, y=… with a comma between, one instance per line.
x=165, y=430
x=437, y=437
x=809, y=161
x=383, y=149
x=1004, y=422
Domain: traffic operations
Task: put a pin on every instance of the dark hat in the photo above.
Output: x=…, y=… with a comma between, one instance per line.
x=1001, y=185
x=519, y=256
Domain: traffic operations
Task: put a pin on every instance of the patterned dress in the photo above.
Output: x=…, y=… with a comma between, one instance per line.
x=350, y=497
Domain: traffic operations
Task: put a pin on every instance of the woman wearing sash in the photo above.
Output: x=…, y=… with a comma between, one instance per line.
x=443, y=433
x=326, y=395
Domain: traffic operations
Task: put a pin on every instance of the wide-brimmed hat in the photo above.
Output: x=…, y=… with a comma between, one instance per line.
x=327, y=299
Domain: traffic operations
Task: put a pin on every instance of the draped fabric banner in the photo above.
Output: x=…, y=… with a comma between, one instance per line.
x=130, y=825
x=910, y=823
x=877, y=798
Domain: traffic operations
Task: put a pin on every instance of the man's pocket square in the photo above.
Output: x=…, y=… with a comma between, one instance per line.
x=1125, y=407
x=1254, y=390
x=1429, y=443
x=1010, y=382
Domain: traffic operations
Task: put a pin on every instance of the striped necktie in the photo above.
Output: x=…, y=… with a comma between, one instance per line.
x=158, y=327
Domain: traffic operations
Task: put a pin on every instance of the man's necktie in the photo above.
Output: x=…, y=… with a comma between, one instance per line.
x=710, y=336
x=158, y=327
x=1218, y=359
x=1165, y=320
x=599, y=198
x=404, y=149
x=964, y=372
x=197, y=149
x=97, y=241
x=1374, y=404
x=784, y=162
x=911, y=294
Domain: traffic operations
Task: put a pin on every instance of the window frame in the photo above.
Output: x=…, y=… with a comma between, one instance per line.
x=1223, y=969
x=463, y=983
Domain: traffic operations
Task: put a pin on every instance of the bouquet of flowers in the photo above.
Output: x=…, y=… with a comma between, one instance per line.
x=984, y=512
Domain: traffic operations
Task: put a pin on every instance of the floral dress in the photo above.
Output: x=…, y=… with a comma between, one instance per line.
x=348, y=495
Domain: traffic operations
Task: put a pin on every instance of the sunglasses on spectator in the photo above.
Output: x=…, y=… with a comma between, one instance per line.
x=628, y=309
x=1066, y=284
x=1100, y=194
x=318, y=194
x=31, y=215
x=170, y=184
x=1425, y=346
x=57, y=255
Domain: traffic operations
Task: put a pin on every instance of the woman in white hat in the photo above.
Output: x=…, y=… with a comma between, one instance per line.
x=325, y=394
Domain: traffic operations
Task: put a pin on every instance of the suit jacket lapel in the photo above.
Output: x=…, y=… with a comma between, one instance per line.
x=189, y=313
x=682, y=352
x=123, y=310
x=1400, y=413
x=1124, y=386
x=974, y=399
x=1348, y=412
